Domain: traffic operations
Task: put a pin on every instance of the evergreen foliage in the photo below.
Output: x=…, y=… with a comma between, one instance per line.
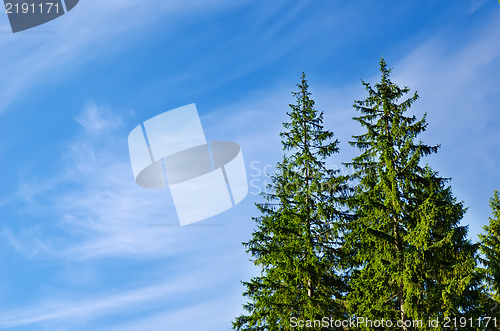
x=297, y=239
x=413, y=260
x=490, y=247
x=390, y=248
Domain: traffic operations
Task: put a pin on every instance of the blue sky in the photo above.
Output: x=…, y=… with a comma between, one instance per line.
x=82, y=247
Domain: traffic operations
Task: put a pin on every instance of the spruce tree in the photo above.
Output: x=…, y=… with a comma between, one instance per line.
x=490, y=247
x=412, y=258
x=296, y=243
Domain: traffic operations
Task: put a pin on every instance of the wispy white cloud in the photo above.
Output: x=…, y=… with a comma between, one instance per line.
x=208, y=316
x=98, y=213
x=96, y=119
x=106, y=212
x=92, y=29
x=77, y=312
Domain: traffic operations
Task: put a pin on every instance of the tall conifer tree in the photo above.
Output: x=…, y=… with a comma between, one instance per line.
x=490, y=247
x=297, y=237
x=413, y=260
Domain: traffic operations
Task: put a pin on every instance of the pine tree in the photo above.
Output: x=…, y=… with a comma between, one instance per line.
x=413, y=260
x=490, y=247
x=297, y=240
